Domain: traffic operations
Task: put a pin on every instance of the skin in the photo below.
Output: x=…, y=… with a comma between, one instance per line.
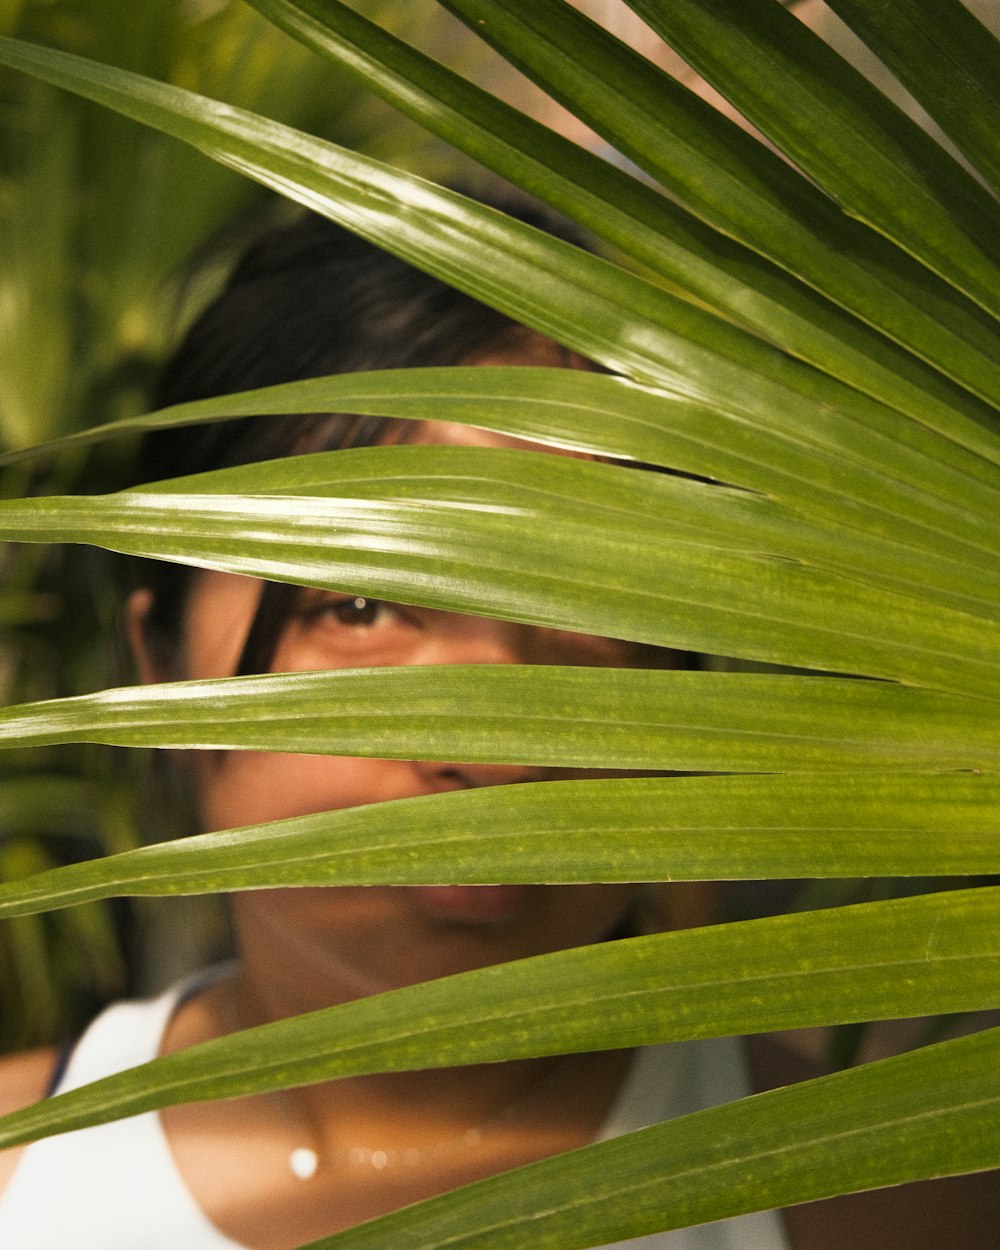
x=304, y=949
x=362, y=941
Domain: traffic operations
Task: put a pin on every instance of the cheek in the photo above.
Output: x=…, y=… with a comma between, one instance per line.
x=246, y=787
x=562, y=647
x=217, y=620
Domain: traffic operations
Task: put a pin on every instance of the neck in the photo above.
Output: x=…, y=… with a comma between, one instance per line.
x=434, y=1117
x=424, y=1102
x=289, y=965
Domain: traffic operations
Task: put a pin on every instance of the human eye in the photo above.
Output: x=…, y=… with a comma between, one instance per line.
x=329, y=629
x=359, y=610
x=354, y=612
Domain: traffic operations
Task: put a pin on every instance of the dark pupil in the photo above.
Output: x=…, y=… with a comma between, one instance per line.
x=358, y=611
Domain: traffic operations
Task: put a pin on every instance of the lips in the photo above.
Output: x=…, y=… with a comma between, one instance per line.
x=470, y=904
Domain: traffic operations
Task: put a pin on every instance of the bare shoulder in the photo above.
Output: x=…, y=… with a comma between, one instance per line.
x=24, y=1079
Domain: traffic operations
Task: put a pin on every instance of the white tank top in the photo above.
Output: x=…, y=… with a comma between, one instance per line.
x=116, y=1186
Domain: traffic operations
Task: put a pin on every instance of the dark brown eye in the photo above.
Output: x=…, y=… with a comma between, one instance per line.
x=357, y=611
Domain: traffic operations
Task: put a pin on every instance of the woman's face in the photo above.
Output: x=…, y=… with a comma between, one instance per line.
x=383, y=937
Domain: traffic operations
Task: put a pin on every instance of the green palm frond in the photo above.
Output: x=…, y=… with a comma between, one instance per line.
x=817, y=335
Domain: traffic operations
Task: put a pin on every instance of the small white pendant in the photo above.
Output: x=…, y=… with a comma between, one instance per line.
x=303, y=1162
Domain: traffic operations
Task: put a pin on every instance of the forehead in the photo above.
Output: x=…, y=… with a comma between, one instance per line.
x=529, y=349
x=454, y=434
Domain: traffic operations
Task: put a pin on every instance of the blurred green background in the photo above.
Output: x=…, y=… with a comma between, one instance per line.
x=112, y=235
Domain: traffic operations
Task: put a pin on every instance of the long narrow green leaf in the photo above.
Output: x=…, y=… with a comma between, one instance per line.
x=561, y=290
x=914, y=558
x=947, y=60
x=497, y=550
x=738, y=566
x=35, y=326
x=844, y=134
x=619, y=209
x=931, y=1113
x=937, y=952
x=738, y=185
x=607, y=314
x=821, y=467
x=663, y=829
x=560, y=717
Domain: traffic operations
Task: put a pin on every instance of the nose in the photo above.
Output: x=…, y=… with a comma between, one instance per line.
x=480, y=640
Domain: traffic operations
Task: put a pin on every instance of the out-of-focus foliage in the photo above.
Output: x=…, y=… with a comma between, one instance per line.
x=99, y=221
x=808, y=344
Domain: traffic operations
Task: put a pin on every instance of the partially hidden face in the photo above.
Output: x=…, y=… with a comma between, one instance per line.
x=331, y=631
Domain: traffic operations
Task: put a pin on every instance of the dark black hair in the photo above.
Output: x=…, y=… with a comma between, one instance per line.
x=306, y=300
